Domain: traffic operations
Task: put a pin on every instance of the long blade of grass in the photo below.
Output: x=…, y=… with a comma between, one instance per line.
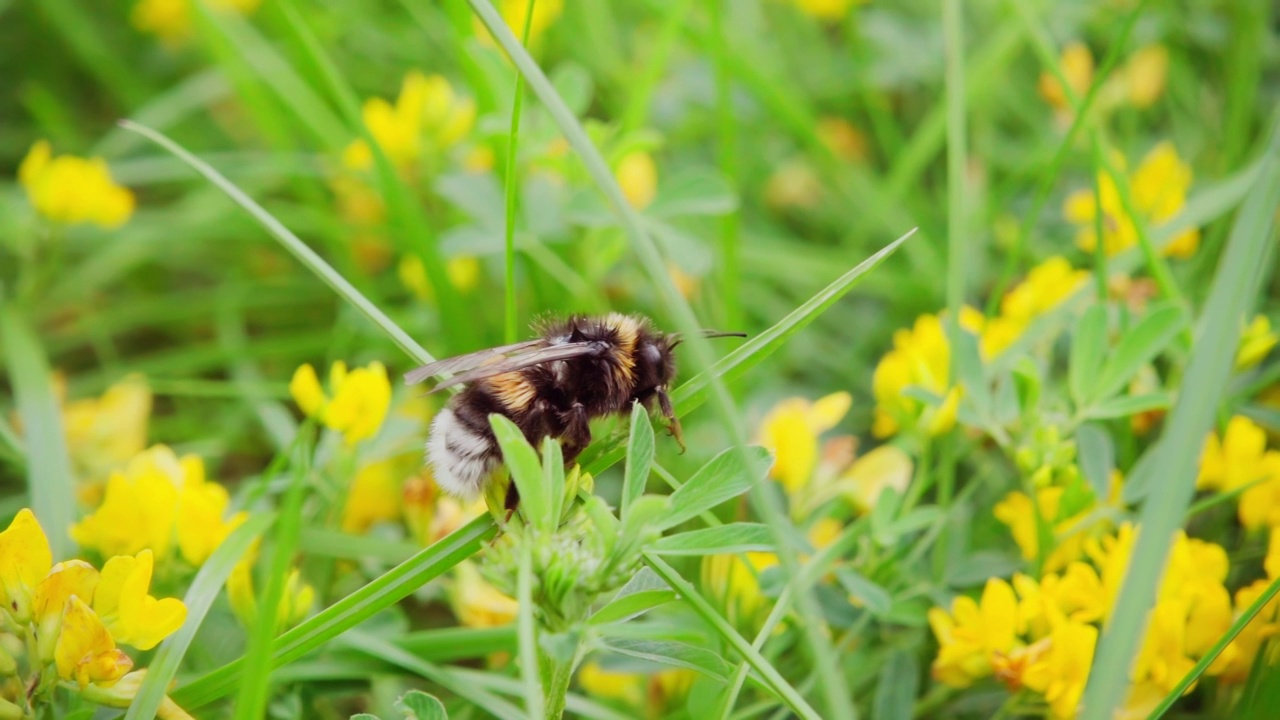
x=254, y=691
x=1217, y=335
x=199, y=598
x=527, y=635
x=751, y=655
x=509, y=326
x=50, y=483
x=293, y=244
x=1236, y=627
x=385, y=591
x=957, y=207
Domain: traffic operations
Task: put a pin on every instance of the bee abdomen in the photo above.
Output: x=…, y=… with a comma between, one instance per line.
x=460, y=457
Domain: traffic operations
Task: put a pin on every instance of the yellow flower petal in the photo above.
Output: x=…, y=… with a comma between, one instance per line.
x=72, y=190
x=129, y=612
x=887, y=466
x=25, y=559
x=306, y=391
x=85, y=651
x=638, y=176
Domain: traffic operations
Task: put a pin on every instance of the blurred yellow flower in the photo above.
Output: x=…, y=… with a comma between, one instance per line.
x=361, y=398
x=1255, y=343
x=790, y=431
x=478, y=604
x=1061, y=672
x=626, y=687
x=843, y=139
x=72, y=190
x=85, y=651
x=887, y=466
x=1237, y=458
x=1077, y=67
x=973, y=632
x=1143, y=76
x=375, y=495
x=793, y=185
x=426, y=108
x=104, y=432
x=157, y=501
x=1236, y=661
x=1016, y=512
x=920, y=358
x=73, y=577
x=25, y=560
x=1158, y=190
x=733, y=583
x=827, y=10
x=1046, y=286
x=638, y=176
x=463, y=272
x=295, y=602
x=171, y=19
x=132, y=615
x=513, y=12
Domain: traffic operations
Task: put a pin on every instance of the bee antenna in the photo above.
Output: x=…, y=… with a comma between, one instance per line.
x=677, y=338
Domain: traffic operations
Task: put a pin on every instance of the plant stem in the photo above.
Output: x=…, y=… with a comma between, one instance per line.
x=556, y=674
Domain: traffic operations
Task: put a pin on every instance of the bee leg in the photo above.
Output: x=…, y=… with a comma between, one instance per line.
x=577, y=432
x=673, y=422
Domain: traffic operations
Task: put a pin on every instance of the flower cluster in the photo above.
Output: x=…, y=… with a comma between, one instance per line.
x=74, y=617
x=357, y=401
x=71, y=190
x=170, y=20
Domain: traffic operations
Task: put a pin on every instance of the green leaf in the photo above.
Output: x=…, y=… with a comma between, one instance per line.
x=417, y=705
x=574, y=84
x=1088, y=345
x=872, y=596
x=693, y=192
x=383, y=592
x=365, y=716
x=731, y=538
x=1123, y=406
x=917, y=519
x=967, y=367
x=674, y=654
x=726, y=476
x=200, y=596
x=897, y=686
x=1138, y=347
x=1097, y=458
x=1217, y=334
x=640, y=448
x=642, y=593
x=526, y=473
x=50, y=483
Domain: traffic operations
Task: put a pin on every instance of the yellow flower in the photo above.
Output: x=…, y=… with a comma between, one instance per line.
x=1077, y=67
x=122, y=693
x=1060, y=673
x=884, y=467
x=1046, y=286
x=25, y=560
x=1110, y=555
x=1237, y=459
x=1163, y=659
x=1158, y=190
x=73, y=577
x=478, y=604
x=638, y=176
x=1143, y=76
x=360, y=399
x=131, y=615
x=85, y=651
x=793, y=185
x=1016, y=512
x=790, y=431
x=920, y=358
x=72, y=190
x=104, y=432
x=994, y=334
x=513, y=12
x=294, y=605
x=843, y=139
x=426, y=108
x=1255, y=343
x=171, y=19
x=1236, y=661
x=463, y=272
x=827, y=10
x=973, y=632
x=159, y=499
x=733, y=582
x=626, y=687
x=375, y=496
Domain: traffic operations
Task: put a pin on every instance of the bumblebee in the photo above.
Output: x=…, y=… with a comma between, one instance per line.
x=579, y=368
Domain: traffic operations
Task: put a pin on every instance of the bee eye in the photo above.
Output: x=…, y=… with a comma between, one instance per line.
x=652, y=354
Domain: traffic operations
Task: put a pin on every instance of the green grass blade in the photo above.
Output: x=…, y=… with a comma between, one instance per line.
x=255, y=690
x=752, y=656
x=509, y=326
x=50, y=482
x=957, y=161
x=199, y=598
x=387, y=590
x=1217, y=335
x=1200, y=667
x=528, y=636
x=293, y=244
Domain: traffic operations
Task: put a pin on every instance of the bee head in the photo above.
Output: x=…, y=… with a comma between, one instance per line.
x=655, y=363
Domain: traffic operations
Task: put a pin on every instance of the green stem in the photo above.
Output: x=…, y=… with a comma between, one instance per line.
x=556, y=674
x=510, y=328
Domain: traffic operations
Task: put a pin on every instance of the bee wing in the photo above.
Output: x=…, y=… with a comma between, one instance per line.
x=530, y=358
x=470, y=361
